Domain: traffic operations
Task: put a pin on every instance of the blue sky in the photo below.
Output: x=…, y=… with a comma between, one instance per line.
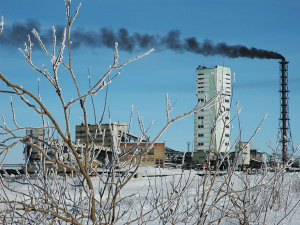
x=271, y=24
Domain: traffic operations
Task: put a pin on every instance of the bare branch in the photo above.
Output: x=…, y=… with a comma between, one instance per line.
x=36, y=34
x=1, y=24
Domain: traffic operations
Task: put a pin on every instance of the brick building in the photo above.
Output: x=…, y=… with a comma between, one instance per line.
x=155, y=155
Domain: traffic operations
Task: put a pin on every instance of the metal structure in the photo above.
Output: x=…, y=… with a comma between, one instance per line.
x=284, y=133
x=188, y=146
x=15, y=166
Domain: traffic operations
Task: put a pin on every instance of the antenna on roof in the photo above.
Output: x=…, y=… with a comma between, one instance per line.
x=188, y=146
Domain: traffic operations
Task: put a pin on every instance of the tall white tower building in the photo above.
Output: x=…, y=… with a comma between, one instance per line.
x=212, y=125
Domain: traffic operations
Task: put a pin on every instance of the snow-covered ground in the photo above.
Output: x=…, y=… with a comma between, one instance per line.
x=154, y=186
x=290, y=189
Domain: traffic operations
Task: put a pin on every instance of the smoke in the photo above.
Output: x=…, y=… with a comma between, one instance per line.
x=105, y=37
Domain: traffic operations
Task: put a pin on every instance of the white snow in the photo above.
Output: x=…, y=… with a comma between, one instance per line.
x=161, y=181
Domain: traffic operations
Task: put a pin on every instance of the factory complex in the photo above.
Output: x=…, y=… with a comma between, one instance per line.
x=211, y=142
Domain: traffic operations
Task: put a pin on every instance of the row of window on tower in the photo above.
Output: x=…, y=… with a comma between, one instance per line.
x=202, y=135
x=202, y=126
x=202, y=144
x=202, y=117
x=202, y=100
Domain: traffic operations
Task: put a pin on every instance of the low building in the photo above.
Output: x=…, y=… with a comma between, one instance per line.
x=199, y=158
x=242, y=155
x=37, y=137
x=154, y=156
x=103, y=140
x=256, y=155
x=172, y=156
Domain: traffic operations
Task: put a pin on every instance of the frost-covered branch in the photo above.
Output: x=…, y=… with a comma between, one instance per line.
x=1, y=24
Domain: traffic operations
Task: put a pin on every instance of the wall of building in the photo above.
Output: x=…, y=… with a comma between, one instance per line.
x=112, y=135
x=31, y=153
x=155, y=156
x=242, y=153
x=256, y=155
x=212, y=126
x=199, y=157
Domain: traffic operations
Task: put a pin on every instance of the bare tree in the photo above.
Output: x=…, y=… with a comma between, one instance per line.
x=68, y=185
x=64, y=191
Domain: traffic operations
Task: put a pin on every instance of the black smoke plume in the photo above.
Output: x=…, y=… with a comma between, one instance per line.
x=105, y=37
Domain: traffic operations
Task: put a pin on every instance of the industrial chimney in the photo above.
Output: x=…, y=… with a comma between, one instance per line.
x=284, y=134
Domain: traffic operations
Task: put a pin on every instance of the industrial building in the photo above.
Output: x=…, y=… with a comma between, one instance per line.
x=154, y=156
x=115, y=135
x=34, y=135
x=107, y=133
x=249, y=158
x=103, y=138
x=242, y=155
x=212, y=125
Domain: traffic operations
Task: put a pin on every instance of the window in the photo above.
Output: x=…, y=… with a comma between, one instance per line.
x=80, y=131
x=201, y=78
x=226, y=135
x=200, y=126
x=226, y=100
x=227, y=109
x=199, y=74
x=227, y=118
x=201, y=100
x=201, y=83
x=226, y=143
x=200, y=144
x=200, y=117
x=227, y=126
x=200, y=135
x=151, y=151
